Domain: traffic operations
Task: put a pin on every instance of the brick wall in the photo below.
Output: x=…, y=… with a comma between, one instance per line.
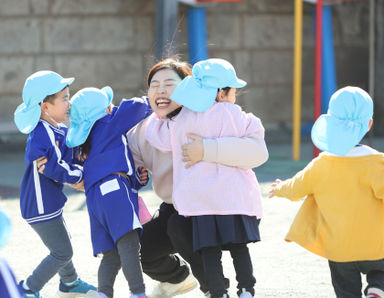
x=113, y=43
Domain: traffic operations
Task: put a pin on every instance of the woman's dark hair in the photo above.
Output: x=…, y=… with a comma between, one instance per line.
x=183, y=69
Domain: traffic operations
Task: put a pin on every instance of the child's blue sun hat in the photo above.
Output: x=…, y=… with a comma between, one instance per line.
x=198, y=92
x=87, y=106
x=5, y=228
x=346, y=123
x=36, y=88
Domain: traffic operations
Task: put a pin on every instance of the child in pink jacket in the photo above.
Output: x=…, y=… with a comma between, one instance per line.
x=223, y=202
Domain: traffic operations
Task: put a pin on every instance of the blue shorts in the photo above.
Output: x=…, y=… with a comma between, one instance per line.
x=113, y=212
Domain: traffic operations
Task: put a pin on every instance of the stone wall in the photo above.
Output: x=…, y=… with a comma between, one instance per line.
x=113, y=43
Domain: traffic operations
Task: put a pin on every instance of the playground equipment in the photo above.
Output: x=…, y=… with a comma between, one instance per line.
x=325, y=74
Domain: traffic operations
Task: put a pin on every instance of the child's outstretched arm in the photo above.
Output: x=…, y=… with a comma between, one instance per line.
x=297, y=187
x=130, y=112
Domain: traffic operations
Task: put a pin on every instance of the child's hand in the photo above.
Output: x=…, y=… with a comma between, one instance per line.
x=193, y=152
x=143, y=175
x=40, y=163
x=78, y=186
x=273, y=185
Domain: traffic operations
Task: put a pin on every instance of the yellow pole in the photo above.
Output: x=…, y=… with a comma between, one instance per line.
x=297, y=76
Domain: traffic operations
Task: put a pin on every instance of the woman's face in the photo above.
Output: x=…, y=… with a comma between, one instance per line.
x=161, y=87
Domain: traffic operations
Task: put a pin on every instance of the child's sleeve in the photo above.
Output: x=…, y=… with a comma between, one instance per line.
x=56, y=167
x=130, y=112
x=243, y=143
x=378, y=181
x=242, y=152
x=158, y=133
x=297, y=187
x=8, y=284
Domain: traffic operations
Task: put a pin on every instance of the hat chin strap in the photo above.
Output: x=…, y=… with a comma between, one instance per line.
x=50, y=118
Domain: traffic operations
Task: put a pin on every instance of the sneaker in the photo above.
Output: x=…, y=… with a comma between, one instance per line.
x=77, y=289
x=375, y=293
x=139, y=296
x=29, y=293
x=95, y=294
x=245, y=294
x=166, y=289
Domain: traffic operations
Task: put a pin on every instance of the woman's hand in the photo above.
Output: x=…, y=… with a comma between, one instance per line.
x=40, y=163
x=193, y=152
x=273, y=185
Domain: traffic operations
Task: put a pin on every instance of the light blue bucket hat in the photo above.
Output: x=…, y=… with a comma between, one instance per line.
x=36, y=88
x=5, y=228
x=346, y=123
x=198, y=92
x=87, y=106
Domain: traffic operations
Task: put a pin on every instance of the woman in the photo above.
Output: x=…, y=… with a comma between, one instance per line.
x=169, y=233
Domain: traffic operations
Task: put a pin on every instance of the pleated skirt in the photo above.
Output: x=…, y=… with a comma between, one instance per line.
x=221, y=230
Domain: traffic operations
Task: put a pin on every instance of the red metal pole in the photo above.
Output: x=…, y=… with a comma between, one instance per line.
x=318, y=63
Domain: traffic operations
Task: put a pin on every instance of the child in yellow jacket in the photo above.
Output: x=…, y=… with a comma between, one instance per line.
x=342, y=217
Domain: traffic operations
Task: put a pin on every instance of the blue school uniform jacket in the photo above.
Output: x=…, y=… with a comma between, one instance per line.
x=109, y=148
x=41, y=195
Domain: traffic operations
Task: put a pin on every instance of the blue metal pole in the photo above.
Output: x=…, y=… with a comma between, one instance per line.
x=329, y=85
x=197, y=34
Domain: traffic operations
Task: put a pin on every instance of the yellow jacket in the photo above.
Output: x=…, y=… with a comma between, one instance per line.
x=342, y=217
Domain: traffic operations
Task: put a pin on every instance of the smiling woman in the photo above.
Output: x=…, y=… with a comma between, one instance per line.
x=168, y=232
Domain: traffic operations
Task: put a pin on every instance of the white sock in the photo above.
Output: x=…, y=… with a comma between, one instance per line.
x=70, y=283
x=25, y=286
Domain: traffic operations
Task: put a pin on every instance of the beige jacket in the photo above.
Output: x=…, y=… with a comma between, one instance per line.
x=246, y=153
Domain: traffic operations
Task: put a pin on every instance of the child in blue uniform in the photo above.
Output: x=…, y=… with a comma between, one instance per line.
x=8, y=285
x=45, y=107
x=110, y=183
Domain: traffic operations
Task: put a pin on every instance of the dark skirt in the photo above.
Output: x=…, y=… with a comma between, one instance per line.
x=220, y=230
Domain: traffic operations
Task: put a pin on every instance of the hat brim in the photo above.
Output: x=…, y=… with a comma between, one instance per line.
x=336, y=136
x=26, y=118
x=108, y=90
x=239, y=83
x=190, y=94
x=63, y=83
x=78, y=134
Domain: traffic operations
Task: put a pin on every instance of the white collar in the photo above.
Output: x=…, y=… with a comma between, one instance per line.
x=358, y=150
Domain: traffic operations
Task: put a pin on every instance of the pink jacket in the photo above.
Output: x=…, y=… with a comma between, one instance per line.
x=209, y=188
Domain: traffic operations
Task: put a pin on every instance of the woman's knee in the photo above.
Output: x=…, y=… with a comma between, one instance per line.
x=179, y=228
